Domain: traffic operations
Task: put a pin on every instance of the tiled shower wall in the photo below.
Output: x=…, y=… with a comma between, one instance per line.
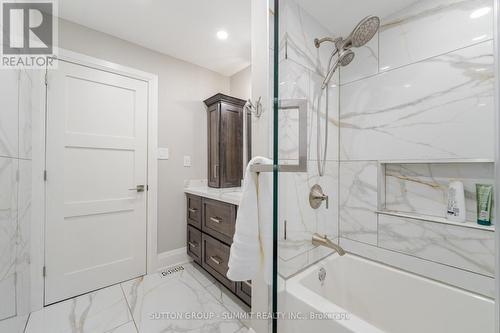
x=16, y=89
x=300, y=77
x=414, y=110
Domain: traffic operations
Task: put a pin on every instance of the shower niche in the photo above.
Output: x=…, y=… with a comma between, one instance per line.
x=420, y=190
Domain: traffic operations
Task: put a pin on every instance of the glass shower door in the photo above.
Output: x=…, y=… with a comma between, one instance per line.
x=369, y=129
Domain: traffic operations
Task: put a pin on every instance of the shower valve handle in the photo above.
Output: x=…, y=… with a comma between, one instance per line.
x=317, y=196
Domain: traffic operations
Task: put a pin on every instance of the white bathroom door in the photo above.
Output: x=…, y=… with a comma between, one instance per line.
x=96, y=163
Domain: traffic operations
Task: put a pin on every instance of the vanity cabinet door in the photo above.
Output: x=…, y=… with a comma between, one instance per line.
x=215, y=258
x=194, y=244
x=231, y=145
x=193, y=212
x=244, y=291
x=213, y=171
x=219, y=219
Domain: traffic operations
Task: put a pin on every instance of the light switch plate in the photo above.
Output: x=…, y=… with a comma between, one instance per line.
x=163, y=154
x=187, y=161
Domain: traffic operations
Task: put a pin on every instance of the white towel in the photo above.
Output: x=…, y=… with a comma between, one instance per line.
x=253, y=238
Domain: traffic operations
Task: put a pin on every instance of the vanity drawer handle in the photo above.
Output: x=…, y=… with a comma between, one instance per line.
x=192, y=210
x=216, y=220
x=216, y=260
x=194, y=245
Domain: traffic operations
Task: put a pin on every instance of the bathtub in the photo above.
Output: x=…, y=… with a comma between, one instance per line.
x=362, y=296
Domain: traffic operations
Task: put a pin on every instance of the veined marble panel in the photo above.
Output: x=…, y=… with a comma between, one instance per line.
x=432, y=27
x=423, y=188
x=125, y=328
x=365, y=62
x=180, y=292
x=303, y=221
x=297, y=82
x=26, y=107
x=358, y=201
x=465, y=248
x=9, y=94
x=23, y=239
x=8, y=236
x=441, y=108
x=298, y=29
x=97, y=312
x=14, y=325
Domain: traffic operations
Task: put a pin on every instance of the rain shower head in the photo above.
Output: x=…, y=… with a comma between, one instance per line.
x=363, y=33
x=345, y=58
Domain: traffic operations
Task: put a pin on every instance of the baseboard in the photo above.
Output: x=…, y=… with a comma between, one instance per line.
x=174, y=257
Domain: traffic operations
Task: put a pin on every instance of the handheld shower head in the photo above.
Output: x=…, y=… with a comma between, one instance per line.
x=345, y=58
x=363, y=33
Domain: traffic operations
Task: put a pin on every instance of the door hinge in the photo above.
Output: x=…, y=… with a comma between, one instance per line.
x=46, y=78
x=44, y=271
x=44, y=175
x=147, y=187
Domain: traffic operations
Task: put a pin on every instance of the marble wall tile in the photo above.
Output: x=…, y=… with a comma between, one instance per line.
x=98, y=312
x=9, y=91
x=303, y=221
x=26, y=107
x=8, y=236
x=464, y=248
x=318, y=103
x=359, y=201
x=293, y=84
x=436, y=109
x=423, y=188
x=365, y=62
x=297, y=82
x=298, y=29
x=23, y=239
x=432, y=27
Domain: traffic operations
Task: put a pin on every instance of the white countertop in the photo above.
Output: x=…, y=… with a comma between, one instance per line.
x=228, y=195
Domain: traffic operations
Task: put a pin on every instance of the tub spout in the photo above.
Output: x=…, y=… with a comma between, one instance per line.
x=318, y=240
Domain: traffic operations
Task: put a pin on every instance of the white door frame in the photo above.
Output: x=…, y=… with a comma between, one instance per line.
x=39, y=163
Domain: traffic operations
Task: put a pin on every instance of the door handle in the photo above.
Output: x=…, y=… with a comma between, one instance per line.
x=301, y=106
x=138, y=188
x=216, y=260
x=216, y=220
x=192, y=210
x=194, y=245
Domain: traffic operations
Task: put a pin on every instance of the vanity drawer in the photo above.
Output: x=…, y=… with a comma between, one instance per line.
x=193, y=210
x=244, y=291
x=194, y=244
x=219, y=219
x=215, y=260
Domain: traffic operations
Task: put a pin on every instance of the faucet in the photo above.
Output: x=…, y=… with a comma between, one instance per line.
x=318, y=240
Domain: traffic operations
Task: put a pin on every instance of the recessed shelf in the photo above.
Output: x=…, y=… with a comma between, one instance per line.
x=436, y=219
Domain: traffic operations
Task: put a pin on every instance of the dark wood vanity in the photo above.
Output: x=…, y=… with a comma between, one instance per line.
x=210, y=231
x=225, y=140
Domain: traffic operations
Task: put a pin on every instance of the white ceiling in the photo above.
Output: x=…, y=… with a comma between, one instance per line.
x=341, y=16
x=185, y=29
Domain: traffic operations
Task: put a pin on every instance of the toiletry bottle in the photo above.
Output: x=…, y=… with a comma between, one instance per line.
x=484, y=198
x=456, y=202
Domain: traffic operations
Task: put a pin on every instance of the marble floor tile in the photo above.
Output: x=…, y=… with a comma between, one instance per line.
x=99, y=311
x=230, y=302
x=161, y=303
x=125, y=328
x=14, y=324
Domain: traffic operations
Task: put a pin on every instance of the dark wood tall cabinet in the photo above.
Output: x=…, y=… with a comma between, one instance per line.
x=225, y=141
